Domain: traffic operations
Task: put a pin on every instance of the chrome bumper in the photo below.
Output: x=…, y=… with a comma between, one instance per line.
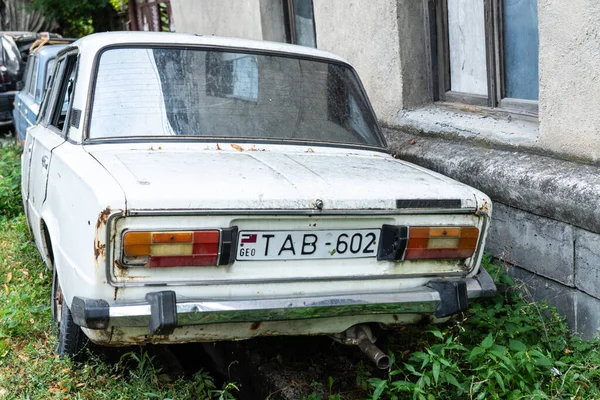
x=161, y=312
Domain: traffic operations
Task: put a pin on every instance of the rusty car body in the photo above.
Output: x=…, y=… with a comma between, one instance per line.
x=196, y=188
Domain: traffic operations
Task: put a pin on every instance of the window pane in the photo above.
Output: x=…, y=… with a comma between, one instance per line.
x=466, y=36
x=305, y=27
x=203, y=93
x=521, y=46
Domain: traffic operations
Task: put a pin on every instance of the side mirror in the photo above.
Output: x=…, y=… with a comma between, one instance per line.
x=20, y=85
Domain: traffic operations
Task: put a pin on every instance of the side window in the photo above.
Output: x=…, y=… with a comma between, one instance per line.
x=50, y=93
x=64, y=93
x=32, y=69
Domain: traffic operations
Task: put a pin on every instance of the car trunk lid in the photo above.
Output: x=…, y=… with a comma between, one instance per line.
x=232, y=177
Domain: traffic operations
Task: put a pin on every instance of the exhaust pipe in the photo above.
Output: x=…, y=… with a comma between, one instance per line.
x=381, y=360
x=361, y=336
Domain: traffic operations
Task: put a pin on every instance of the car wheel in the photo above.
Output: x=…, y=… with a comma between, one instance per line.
x=71, y=339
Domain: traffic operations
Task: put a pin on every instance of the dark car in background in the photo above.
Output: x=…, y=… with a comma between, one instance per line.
x=11, y=72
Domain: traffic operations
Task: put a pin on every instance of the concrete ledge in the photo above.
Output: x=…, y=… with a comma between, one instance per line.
x=540, y=245
x=472, y=122
x=587, y=262
x=581, y=311
x=556, y=189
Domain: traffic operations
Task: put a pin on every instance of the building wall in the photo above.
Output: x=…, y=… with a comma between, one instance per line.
x=236, y=18
x=570, y=77
x=366, y=33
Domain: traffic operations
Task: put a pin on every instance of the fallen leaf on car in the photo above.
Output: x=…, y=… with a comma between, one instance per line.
x=237, y=147
x=218, y=148
x=309, y=150
x=253, y=148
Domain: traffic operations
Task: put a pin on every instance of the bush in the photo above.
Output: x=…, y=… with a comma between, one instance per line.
x=507, y=347
x=10, y=181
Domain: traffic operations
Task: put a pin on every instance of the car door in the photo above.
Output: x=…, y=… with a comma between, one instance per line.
x=50, y=133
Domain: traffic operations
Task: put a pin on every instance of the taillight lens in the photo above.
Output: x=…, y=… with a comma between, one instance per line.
x=171, y=249
x=441, y=242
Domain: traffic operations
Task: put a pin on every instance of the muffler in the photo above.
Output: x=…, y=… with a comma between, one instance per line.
x=361, y=336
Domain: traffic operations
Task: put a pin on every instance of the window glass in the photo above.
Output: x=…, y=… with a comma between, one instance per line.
x=63, y=99
x=199, y=93
x=32, y=76
x=466, y=36
x=234, y=75
x=50, y=94
x=28, y=73
x=49, y=66
x=305, y=23
x=521, y=45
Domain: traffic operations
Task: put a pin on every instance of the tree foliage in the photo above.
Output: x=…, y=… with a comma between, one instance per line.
x=79, y=17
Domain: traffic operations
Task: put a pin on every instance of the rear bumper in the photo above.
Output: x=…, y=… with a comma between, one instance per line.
x=162, y=313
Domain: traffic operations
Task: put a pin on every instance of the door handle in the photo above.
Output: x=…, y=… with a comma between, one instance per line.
x=45, y=162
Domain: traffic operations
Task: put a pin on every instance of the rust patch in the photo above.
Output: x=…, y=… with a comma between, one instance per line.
x=485, y=208
x=255, y=325
x=103, y=218
x=99, y=249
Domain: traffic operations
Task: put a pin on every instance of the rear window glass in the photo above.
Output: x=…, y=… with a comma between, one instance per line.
x=141, y=92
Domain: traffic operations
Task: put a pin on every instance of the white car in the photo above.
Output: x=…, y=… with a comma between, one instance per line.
x=196, y=188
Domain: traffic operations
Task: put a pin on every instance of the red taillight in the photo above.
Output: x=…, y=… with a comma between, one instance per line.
x=171, y=249
x=441, y=242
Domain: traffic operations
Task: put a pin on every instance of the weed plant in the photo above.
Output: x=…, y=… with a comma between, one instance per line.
x=507, y=347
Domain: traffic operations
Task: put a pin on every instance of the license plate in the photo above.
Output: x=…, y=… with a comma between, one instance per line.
x=285, y=245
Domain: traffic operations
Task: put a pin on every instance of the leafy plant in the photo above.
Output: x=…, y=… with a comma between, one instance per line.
x=508, y=347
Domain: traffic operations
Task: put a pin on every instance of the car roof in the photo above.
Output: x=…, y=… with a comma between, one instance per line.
x=50, y=50
x=95, y=42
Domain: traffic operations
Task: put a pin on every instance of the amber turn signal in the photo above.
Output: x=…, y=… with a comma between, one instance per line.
x=171, y=249
x=441, y=242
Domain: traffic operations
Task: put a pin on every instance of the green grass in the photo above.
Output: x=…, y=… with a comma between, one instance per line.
x=10, y=181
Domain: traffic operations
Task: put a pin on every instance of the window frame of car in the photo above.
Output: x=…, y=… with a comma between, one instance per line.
x=85, y=139
x=494, y=30
x=51, y=107
x=31, y=75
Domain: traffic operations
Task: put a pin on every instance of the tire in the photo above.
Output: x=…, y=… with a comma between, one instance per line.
x=72, y=342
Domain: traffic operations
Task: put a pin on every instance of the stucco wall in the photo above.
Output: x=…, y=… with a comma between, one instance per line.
x=570, y=77
x=366, y=33
x=236, y=18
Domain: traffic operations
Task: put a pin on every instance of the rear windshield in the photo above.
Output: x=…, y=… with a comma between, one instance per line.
x=204, y=93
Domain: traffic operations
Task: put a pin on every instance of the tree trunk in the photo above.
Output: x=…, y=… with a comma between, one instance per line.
x=19, y=15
